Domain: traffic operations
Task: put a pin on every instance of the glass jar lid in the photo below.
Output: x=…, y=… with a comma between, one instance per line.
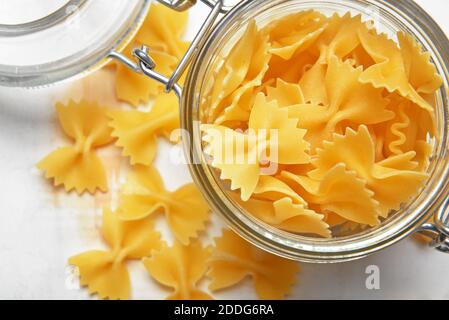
x=55, y=40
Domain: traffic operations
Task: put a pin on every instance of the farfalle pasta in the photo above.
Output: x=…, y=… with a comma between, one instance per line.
x=233, y=259
x=137, y=131
x=145, y=195
x=344, y=98
x=288, y=216
x=295, y=34
x=180, y=268
x=242, y=71
x=265, y=116
x=337, y=133
x=339, y=191
x=78, y=167
x=392, y=180
x=397, y=68
x=105, y=272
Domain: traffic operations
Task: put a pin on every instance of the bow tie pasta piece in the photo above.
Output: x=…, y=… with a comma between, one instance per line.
x=316, y=74
x=291, y=146
x=289, y=24
x=286, y=215
x=421, y=73
x=339, y=38
x=297, y=219
x=233, y=259
x=347, y=100
x=355, y=149
x=78, y=167
x=180, y=268
x=286, y=94
x=144, y=195
x=161, y=32
x=105, y=272
x=271, y=188
x=241, y=165
x=287, y=47
x=391, y=71
x=295, y=33
x=291, y=70
x=335, y=24
x=296, y=43
x=238, y=76
x=345, y=37
x=137, y=131
x=342, y=98
x=342, y=192
x=235, y=106
x=413, y=160
x=272, y=137
x=403, y=161
x=234, y=69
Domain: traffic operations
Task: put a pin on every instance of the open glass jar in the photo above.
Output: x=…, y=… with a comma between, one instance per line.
x=215, y=38
x=392, y=16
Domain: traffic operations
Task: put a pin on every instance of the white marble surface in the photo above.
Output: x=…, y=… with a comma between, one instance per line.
x=40, y=229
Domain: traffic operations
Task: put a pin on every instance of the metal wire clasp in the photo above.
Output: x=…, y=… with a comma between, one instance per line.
x=179, y=5
x=438, y=231
x=146, y=65
x=182, y=5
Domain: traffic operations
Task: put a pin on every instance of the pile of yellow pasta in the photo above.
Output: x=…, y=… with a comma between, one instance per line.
x=353, y=112
x=129, y=230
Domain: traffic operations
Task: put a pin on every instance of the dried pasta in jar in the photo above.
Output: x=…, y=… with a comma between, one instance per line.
x=316, y=122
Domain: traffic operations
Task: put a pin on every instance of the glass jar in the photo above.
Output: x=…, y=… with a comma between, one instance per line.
x=215, y=38
x=392, y=16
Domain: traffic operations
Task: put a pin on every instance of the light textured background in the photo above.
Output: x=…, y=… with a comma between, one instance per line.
x=41, y=228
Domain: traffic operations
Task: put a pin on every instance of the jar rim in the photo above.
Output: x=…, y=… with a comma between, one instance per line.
x=412, y=17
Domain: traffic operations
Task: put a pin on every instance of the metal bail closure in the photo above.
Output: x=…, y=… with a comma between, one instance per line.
x=179, y=5
x=438, y=231
x=182, y=5
x=146, y=65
